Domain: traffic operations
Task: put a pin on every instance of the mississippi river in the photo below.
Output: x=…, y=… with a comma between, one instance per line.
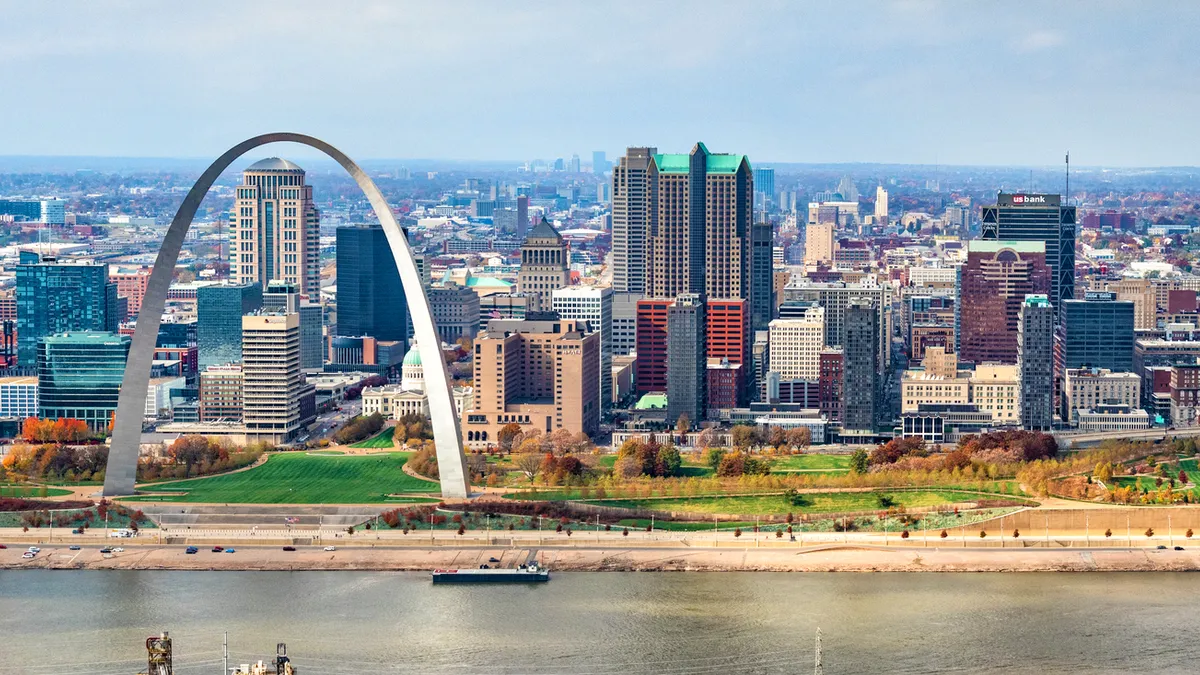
x=95, y=622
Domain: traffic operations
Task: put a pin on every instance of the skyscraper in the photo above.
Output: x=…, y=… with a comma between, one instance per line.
x=219, y=312
x=370, y=298
x=860, y=389
x=764, y=182
x=79, y=376
x=284, y=297
x=593, y=305
x=272, y=383
x=599, y=162
x=997, y=277
x=632, y=207
x=762, y=276
x=1096, y=332
x=699, y=235
x=543, y=264
x=818, y=243
x=274, y=228
x=687, y=375
x=796, y=345
x=1038, y=217
x=1035, y=360
x=54, y=297
x=881, y=204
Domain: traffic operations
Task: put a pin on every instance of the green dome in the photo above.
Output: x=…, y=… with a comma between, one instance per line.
x=413, y=357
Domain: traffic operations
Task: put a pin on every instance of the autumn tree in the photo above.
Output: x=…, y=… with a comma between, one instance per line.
x=529, y=463
x=744, y=436
x=507, y=435
x=799, y=437
x=1103, y=472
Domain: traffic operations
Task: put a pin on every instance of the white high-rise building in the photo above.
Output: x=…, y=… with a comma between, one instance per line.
x=593, y=304
x=881, y=204
x=795, y=345
x=272, y=383
x=274, y=228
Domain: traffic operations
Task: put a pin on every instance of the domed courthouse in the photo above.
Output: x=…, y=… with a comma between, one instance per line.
x=397, y=400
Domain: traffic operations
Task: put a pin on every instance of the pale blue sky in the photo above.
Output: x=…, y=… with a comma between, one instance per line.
x=1117, y=83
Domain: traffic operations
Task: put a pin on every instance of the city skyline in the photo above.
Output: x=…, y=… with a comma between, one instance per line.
x=910, y=83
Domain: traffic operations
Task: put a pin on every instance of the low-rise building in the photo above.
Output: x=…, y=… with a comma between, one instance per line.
x=945, y=422
x=18, y=397
x=1089, y=388
x=1112, y=418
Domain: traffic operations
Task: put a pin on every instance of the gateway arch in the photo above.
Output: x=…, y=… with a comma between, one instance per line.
x=127, y=428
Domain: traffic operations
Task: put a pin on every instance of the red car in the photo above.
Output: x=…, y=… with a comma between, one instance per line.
x=217, y=549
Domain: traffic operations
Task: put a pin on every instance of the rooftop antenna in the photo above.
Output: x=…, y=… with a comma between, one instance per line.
x=1068, y=195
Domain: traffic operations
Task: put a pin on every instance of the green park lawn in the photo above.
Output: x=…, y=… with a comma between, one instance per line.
x=812, y=464
x=826, y=502
x=29, y=490
x=383, y=439
x=300, y=478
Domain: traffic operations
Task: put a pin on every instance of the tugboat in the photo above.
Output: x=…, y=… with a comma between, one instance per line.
x=531, y=573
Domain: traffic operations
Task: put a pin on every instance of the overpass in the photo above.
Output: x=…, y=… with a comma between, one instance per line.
x=1077, y=441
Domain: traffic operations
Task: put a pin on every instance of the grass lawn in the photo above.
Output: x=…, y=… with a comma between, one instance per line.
x=812, y=464
x=28, y=490
x=383, y=439
x=828, y=502
x=299, y=478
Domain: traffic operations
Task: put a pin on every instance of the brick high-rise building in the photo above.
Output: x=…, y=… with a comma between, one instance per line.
x=535, y=374
x=651, y=370
x=131, y=284
x=274, y=228
x=830, y=382
x=997, y=277
x=728, y=338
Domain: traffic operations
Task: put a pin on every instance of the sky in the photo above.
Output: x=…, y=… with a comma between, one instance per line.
x=1006, y=83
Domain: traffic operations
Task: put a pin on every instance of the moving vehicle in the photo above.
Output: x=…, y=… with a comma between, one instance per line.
x=289, y=548
x=191, y=549
x=74, y=547
x=118, y=550
x=28, y=554
x=1178, y=548
x=493, y=560
x=523, y=574
x=231, y=550
x=106, y=550
x=330, y=548
x=217, y=549
x=34, y=549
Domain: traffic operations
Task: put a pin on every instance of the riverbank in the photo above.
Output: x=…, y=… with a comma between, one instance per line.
x=822, y=558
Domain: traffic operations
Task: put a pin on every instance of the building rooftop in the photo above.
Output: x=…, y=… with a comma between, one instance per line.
x=652, y=401
x=993, y=246
x=273, y=164
x=717, y=163
x=86, y=337
x=1037, y=301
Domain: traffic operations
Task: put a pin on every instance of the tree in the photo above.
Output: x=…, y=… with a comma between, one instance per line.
x=683, y=425
x=529, y=463
x=1103, y=472
x=1183, y=477
x=799, y=437
x=859, y=461
x=507, y=435
x=743, y=436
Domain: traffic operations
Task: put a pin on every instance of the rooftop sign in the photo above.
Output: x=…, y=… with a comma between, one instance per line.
x=1022, y=199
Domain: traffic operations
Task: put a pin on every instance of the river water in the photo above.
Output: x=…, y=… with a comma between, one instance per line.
x=95, y=622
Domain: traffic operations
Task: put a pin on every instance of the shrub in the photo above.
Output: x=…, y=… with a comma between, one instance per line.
x=1108, y=533
x=737, y=531
x=1016, y=533
x=945, y=534
x=1149, y=531
x=904, y=534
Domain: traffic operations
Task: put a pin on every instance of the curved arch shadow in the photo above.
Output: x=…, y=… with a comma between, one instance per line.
x=121, y=469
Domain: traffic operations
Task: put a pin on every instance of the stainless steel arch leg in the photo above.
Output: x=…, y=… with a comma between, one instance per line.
x=123, y=455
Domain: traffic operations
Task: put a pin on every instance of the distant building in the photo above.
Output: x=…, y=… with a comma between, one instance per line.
x=1095, y=332
x=631, y=209
x=56, y=297
x=796, y=345
x=131, y=285
x=1038, y=218
x=537, y=375
x=762, y=282
x=686, y=363
x=18, y=397
x=370, y=297
x=651, y=367
x=276, y=400
x=274, y=228
x=221, y=393
x=831, y=383
x=1035, y=360
x=544, y=267
x=819, y=243
x=997, y=277
x=455, y=311
x=861, y=365
x=219, y=312
x=1089, y=388
x=79, y=376
x=592, y=304
x=285, y=297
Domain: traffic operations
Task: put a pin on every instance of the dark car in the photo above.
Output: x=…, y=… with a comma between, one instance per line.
x=74, y=547
x=106, y=550
x=3, y=546
x=493, y=560
x=289, y=548
x=191, y=549
x=1161, y=547
x=1178, y=548
x=217, y=549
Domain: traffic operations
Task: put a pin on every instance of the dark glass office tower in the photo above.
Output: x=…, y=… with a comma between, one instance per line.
x=219, y=312
x=1035, y=360
x=370, y=297
x=1096, y=332
x=1038, y=217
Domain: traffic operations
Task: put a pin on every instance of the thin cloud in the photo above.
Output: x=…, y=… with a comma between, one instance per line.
x=1039, y=40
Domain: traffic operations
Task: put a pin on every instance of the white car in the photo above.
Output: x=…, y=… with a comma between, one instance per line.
x=330, y=548
x=28, y=554
x=118, y=550
x=34, y=549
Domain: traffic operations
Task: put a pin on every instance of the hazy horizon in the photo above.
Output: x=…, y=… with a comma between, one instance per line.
x=896, y=82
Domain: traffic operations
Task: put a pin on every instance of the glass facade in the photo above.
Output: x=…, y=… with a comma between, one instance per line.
x=79, y=376
x=1038, y=217
x=55, y=298
x=1096, y=333
x=219, y=312
x=370, y=297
